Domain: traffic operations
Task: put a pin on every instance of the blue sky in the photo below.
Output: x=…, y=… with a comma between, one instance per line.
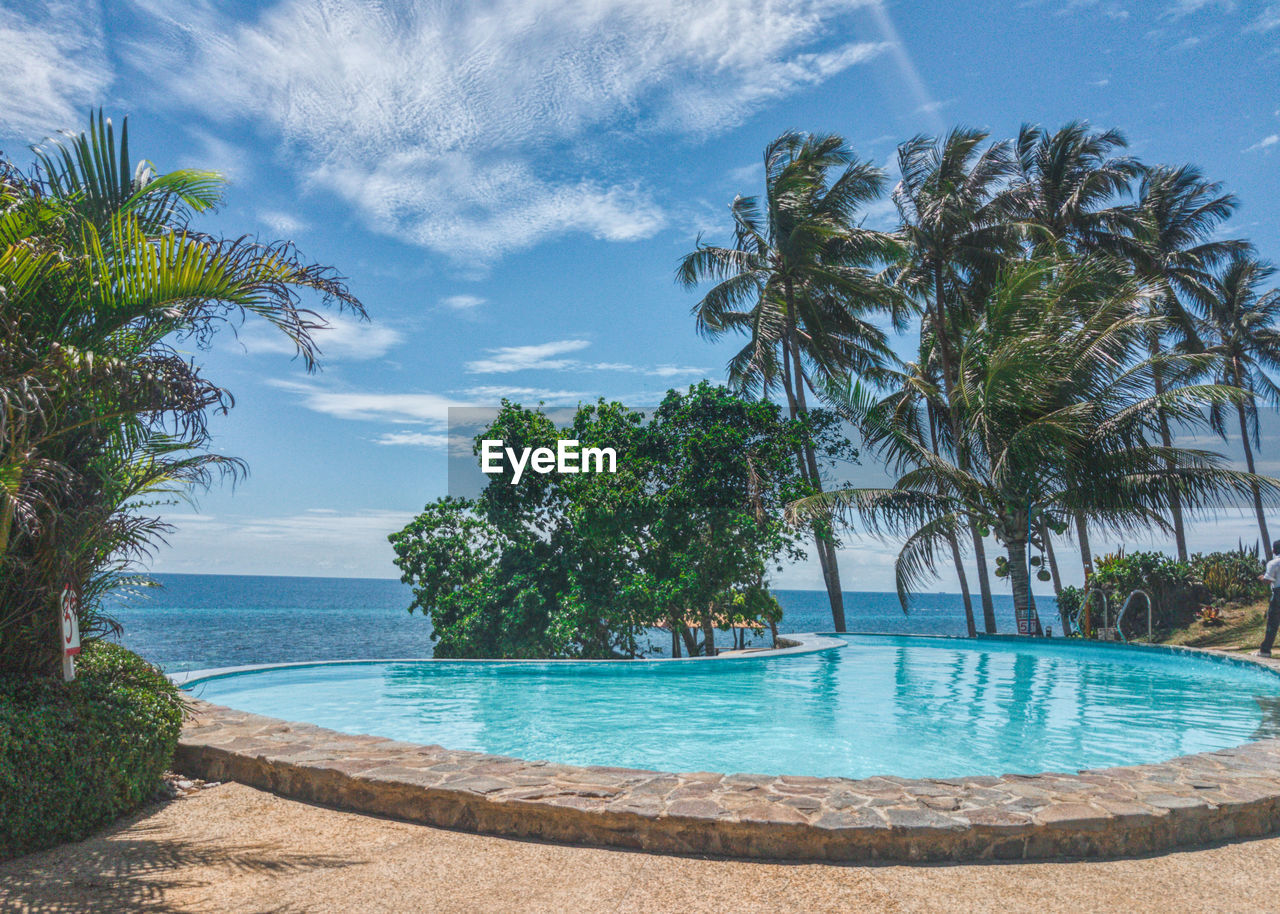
x=509, y=184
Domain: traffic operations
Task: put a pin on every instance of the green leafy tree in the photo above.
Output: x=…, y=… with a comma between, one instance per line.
x=582, y=565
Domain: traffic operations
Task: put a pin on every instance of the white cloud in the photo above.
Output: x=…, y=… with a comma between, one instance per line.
x=674, y=371
x=427, y=408
x=463, y=302
x=1264, y=143
x=342, y=337
x=1182, y=8
x=542, y=356
x=492, y=393
x=466, y=127
x=282, y=222
x=1267, y=20
x=548, y=357
x=414, y=439
x=215, y=153
x=52, y=69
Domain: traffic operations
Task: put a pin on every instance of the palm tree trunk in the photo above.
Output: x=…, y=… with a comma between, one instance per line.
x=1086, y=551
x=1257, y=495
x=956, y=555
x=793, y=411
x=708, y=634
x=962, y=459
x=1053, y=562
x=1175, y=497
x=1017, y=551
x=1053, y=572
x=821, y=531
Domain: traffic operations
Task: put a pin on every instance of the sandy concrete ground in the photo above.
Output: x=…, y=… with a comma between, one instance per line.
x=231, y=848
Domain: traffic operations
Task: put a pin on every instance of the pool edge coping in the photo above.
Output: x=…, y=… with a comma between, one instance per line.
x=1122, y=811
x=804, y=643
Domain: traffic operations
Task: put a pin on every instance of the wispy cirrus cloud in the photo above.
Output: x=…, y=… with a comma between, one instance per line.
x=492, y=393
x=53, y=66
x=551, y=357
x=281, y=222
x=1265, y=143
x=342, y=337
x=474, y=129
x=463, y=302
x=430, y=440
x=428, y=408
x=1268, y=20
x=544, y=356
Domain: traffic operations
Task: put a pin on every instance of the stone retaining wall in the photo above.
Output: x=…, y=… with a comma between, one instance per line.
x=1212, y=796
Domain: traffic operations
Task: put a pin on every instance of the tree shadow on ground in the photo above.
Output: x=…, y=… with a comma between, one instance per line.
x=106, y=873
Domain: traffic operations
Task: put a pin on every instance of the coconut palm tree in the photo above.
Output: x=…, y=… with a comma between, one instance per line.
x=102, y=277
x=956, y=235
x=1067, y=195
x=1068, y=187
x=799, y=283
x=1173, y=248
x=1053, y=414
x=1240, y=328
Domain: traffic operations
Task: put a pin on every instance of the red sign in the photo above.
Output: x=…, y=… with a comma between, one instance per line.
x=70, y=622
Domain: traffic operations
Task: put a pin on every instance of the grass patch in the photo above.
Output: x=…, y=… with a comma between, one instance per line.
x=1242, y=629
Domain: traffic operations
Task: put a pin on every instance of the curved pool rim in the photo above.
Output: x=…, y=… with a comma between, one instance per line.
x=803, y=643
x=1122, y=811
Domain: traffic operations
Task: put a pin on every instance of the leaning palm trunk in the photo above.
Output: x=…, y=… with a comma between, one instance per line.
x=979, y=549
x=1257, y=495
x=1175, y=497
x=956, y=554
x=1086, y=552
x=809, y=470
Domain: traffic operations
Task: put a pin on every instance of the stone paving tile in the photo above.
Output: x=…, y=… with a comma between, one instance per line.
x=1229, y=793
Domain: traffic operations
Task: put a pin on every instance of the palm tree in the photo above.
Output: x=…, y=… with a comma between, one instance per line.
x=1053, y=414
x=1067, y=186
x=100, y=274
x=1172, y=248
x=1240, y=327
x=798, y=282
x=1066, y=195
x=956, y=235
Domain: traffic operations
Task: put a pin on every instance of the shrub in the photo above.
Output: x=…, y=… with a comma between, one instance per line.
x=74, y=756
x=1170, y=583
x=1230, y=575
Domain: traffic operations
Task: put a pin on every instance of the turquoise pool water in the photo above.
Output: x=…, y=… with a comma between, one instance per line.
x=906, y=706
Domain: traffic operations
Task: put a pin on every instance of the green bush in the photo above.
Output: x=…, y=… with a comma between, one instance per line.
x=1230, y=575
x=1174, y=592
x=74, y=756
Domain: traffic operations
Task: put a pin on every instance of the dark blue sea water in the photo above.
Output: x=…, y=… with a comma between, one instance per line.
x=196, y=621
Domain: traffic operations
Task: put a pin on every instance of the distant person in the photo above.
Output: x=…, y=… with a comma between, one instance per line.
x=1272, y=577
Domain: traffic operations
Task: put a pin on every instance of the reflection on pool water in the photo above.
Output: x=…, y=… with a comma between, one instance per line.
x=912, y=707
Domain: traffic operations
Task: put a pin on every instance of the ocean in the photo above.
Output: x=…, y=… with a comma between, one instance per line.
x=199, y=621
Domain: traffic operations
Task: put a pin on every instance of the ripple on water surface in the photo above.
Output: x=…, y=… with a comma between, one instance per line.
x=913, y=707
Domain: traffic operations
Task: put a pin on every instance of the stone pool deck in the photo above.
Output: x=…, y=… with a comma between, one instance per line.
x=1197, y=799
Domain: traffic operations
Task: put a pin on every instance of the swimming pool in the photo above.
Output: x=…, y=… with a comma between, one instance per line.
x=907, y=706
